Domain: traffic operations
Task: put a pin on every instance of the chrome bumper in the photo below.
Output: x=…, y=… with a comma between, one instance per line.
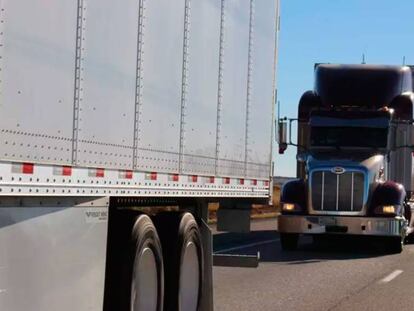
x=342, y=225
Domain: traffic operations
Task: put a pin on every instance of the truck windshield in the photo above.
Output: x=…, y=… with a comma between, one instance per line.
x=368, y=137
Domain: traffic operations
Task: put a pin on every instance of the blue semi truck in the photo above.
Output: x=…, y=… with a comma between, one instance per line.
x=354, y=158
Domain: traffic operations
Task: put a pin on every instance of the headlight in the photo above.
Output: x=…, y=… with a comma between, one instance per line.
x=389, y=209
x=291, y=208
x=288, y=207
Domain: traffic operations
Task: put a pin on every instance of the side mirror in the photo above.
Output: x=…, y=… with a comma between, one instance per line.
x=282, y=136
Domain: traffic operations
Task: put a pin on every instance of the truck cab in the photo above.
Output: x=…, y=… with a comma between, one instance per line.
x=354, y=160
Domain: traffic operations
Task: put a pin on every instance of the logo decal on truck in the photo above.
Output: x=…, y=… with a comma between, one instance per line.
x=338, y=170
x=96, y=216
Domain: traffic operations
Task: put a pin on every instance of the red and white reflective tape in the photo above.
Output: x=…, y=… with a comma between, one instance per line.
x=62, y=170
x=211, y=179
x=174, y=177
x=193, y=178
x=126, y=174
x=65, y=170
x=23, y=168
x=96, y=172
x=151, y=176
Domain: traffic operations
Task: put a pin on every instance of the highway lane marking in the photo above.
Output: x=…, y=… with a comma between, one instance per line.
x=246, y=246
x=391, y=276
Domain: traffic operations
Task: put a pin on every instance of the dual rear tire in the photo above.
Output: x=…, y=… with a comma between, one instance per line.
x=184, y=274
x=146, y=264
x=162, y=269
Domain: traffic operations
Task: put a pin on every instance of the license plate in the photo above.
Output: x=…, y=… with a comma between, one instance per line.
x=327, y=221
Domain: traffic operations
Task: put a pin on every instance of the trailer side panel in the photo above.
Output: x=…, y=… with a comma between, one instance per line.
x=203, y=75
x=235, y=80
x=37, y=72
x=107, y=86
x=261, y=89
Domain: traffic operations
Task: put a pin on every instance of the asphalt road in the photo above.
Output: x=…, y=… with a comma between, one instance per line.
x=340, y=275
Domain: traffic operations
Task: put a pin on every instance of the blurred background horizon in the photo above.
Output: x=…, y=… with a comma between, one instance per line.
x=341, y=31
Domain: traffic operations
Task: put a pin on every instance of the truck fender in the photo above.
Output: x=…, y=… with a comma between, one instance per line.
x=387, y=193
x=294, y=191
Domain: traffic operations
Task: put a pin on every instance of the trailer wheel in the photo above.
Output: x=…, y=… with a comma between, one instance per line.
x=289, y=241
x=183, y=265
x=141, y=272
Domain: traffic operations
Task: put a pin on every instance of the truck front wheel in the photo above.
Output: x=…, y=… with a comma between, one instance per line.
x=394, y=245
x=289, y=241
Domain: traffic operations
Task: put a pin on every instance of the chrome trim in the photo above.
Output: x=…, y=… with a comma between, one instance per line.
x=380, y=226
x=338, y=170
x=324, y=169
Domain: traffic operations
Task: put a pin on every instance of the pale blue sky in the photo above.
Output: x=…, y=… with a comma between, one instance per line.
x=336, y=31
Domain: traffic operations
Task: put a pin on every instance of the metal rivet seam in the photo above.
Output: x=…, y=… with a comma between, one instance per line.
x=139, y=82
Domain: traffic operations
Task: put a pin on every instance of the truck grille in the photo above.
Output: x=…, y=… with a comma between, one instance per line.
x=337, y=192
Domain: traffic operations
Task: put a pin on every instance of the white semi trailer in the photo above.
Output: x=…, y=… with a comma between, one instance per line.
x=119, y=122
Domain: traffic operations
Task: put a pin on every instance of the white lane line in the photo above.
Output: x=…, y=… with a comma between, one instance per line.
x=391, y=276
x=246, y=246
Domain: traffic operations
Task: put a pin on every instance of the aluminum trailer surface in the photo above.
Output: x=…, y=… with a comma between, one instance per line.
x=141, y=86
x=128, y=102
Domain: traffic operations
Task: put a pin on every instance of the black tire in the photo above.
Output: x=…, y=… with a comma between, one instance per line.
x=319, y=241
x=409, y=239
x=289, y=241
x=178, y=232
x=144, y=243
x=394, y=245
